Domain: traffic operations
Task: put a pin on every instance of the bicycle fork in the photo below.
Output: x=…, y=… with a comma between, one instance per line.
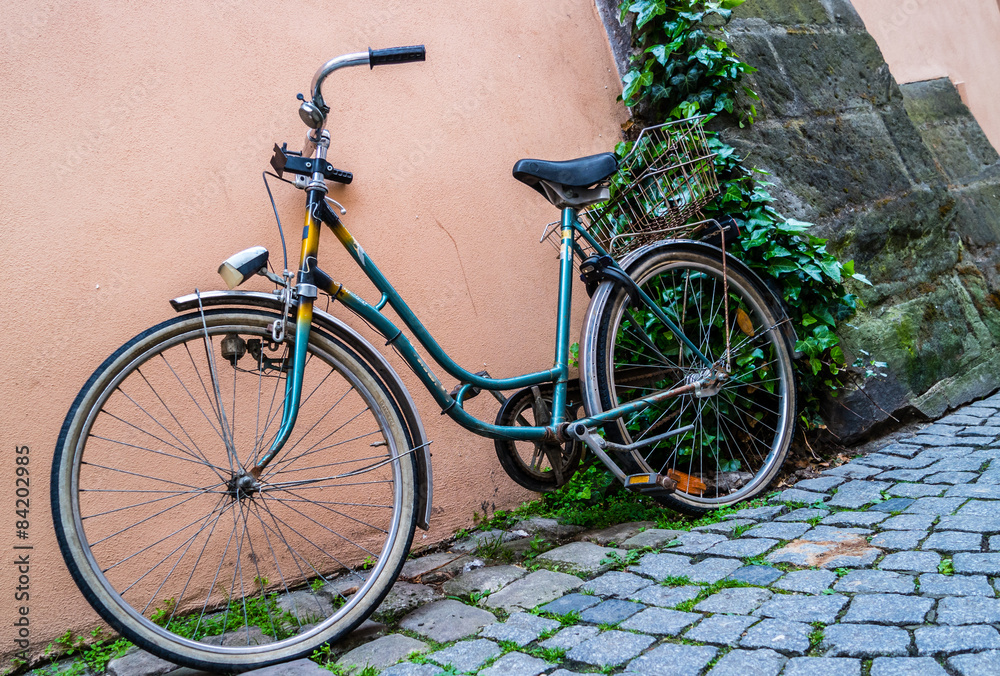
x=307, y=293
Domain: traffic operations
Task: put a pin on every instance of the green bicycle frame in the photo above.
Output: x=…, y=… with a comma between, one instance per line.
x=318, y=213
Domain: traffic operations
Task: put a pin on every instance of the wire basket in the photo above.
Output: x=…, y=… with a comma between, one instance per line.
x=659, y=189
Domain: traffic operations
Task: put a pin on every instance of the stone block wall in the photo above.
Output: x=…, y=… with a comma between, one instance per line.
x=902, y=180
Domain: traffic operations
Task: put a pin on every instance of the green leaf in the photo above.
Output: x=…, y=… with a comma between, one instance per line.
x=831, y=267
x=778, y=266
x=861, y=278
x=732, y=4
x=793, y=226
x=647, y=10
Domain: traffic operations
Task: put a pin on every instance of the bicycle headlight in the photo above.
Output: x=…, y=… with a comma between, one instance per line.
x=235, y=269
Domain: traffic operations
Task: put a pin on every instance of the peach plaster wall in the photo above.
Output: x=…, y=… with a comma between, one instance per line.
x=929, y=39
x=133, y=138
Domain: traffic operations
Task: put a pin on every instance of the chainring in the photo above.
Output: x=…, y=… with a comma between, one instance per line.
x=536, y=465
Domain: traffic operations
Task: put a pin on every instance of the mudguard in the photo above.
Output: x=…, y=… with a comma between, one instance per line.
x=777, y=305
x=367, y=352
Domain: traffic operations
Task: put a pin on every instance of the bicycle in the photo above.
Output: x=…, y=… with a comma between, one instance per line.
x=240, y=484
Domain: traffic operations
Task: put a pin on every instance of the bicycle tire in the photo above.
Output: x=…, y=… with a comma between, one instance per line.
x=719, y=462
x=150, y=421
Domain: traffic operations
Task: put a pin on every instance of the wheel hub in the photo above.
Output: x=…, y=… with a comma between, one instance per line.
x=707, y=383
x=242, y=486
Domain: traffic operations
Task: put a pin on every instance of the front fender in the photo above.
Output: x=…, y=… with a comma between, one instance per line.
x=372, y=357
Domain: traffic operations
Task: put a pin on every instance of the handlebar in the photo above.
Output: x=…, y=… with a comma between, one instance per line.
x=314, y=113
x=383, y=57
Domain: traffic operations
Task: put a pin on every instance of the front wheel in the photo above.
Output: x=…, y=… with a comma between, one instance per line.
x=172, y=542
x=738, y=434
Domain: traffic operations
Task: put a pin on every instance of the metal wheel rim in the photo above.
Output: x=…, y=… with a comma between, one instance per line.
x=91, y=567
x=762, y=476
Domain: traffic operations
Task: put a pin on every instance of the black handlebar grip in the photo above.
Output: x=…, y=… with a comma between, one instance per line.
x=384, y=57
x=338, y=175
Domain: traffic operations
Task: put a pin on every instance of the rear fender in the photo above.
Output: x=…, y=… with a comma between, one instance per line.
x=367, y=352
x=774, y=301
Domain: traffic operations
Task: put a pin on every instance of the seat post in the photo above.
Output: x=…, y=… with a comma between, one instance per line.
x=563, y=314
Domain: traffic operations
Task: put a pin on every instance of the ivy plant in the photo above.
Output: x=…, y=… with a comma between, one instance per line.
x=682, y=67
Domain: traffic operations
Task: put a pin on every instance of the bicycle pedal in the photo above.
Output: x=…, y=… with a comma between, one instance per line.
x=651, y=481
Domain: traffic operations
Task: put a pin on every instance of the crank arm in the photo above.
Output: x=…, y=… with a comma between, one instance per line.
x=650, y=483
x=596, y=444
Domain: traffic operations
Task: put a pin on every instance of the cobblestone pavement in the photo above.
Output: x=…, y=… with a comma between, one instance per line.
x=887, y=565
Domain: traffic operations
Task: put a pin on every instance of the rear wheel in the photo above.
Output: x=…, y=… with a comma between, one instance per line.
x=177, y=547
x=738, y=436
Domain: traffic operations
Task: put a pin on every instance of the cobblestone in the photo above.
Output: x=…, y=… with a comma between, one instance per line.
x=807, y=581
x=935, y=506
x=740, y=548
x=968, y=610
x=803, y=514
x=908, y=522
x=665, y=597
x=935, y=584
x=571, y=603
x=757, y=575
x=917, y=562
x=570, y=637
x=823, y=666
x=610, y=612
x=721, y=629
x=888, y=609
x=517, y=663
x=466, y=655
x=988, y=564
x=447, y=620
x=915, y=491
x=937, y=640
x=892, y=606
x=869, y=581
x=581, y=557
x=781, y=635
x=737, y=601
x=906, y=666
x=617, y=584
x=798, y=608
x=897, y=540
x=519, y=628
x=892, y=505
x=983, y=664
x=865, y=640
x=953, y=541
x=863, y=519
x=611, y=648
x=856, y=494
x=972, y=524
x=745, y=662
x=671, y=659
x=660, y=621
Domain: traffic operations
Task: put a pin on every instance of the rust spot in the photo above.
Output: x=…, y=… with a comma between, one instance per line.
x=687, y=483
x=819, y=553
